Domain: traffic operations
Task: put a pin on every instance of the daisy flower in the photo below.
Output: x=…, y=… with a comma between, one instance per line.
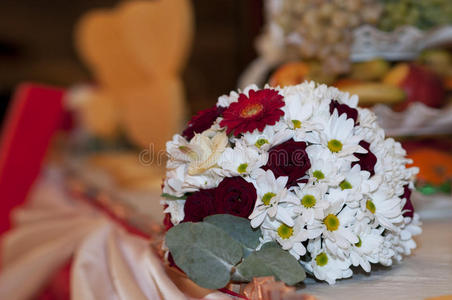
x=339, y=137
x=297, y=115
x=312, y=202
x=366, y=250
x=259, y=109
x=326, y=266
x=355, y=184
x=271, y=136
x=335, y=227
x=290, y=238
x=271, y=192
x=350, y=112
x=241, y=160
x=324, y=166
x=384, y=207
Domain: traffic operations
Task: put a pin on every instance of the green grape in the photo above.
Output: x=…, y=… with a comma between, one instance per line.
x=423, y=14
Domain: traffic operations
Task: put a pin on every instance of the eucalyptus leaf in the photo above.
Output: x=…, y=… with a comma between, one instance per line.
x=171, y=197
x=204, y=252
x=271, y=260
x=239, y=229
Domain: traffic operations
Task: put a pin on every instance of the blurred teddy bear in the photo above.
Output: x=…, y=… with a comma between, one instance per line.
x=136, y=52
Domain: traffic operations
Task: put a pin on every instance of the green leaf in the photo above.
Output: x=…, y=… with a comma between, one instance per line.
x=271, y=260
x=239, y=229
x=204, y=252
x=171, y=197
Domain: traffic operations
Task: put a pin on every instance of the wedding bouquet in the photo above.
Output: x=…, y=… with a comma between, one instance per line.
x=277, y=181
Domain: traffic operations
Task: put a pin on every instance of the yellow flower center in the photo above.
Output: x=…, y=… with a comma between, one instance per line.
x=318, y=174
x=242, y=168
x=285, y=231
x=371, y=206
x=260, y=142
x=308, y=201
x=296, y=124
x=331, y=222
x=359, y=243
x=251, y=110
x=335, y=145
x=267, y=197
x=321, y=259
x=345, y=185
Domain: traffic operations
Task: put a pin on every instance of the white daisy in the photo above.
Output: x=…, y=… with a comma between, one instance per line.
x=355, y=184
x=241, y=160
x=297, y=115
x=384, y=207
x=324, y=166
x=312, y=202
x=335, y=227
x=326, y=266
x=366, y=251
x=271, y=193
x=290, y=238
x=270, y=137
x=339, y=137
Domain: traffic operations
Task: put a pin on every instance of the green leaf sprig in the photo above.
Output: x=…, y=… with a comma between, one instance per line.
x=222, y=249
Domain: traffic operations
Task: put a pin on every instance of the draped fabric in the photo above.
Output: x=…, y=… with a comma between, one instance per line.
x=108, y=262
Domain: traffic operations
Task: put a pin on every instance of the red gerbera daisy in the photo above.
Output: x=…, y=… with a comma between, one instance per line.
x=259, y=109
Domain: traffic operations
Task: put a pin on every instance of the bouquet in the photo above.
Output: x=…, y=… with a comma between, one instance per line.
x=279, y=181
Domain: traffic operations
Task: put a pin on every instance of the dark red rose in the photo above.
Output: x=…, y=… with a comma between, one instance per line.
x=351, y=113
x=289, y=159
x=199, y=205
x=408, y=204
x=235, y=196
x=367, y=160
x=203, y=120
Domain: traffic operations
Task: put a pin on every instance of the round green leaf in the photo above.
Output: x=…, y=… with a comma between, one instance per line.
x=239, y=229
x=271, y=260
x=204, y=252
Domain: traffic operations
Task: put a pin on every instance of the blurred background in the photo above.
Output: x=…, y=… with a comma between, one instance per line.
x=36, y=44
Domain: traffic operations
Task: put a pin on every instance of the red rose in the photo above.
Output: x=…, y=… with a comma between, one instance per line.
x=367, y=160
x=203, y=120
x=235, y=196
x=289, y=159
x=350, y=112
x=199, y=205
